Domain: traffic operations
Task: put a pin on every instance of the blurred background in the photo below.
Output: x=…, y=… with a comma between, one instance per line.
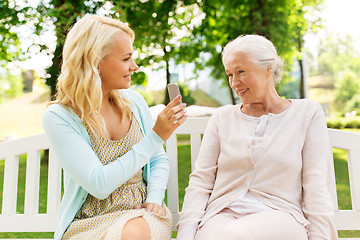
x=181, y=41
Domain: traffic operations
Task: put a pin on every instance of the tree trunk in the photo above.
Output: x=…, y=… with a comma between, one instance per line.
x=231, y=93
x=302, y=79
x=259, y=25
x=54, y=71
x=167, y=98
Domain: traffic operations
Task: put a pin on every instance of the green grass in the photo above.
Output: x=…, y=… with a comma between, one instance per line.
x=341, y=174
x=21, y=196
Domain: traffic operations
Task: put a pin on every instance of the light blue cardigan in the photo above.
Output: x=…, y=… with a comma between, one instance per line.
x=84, y=173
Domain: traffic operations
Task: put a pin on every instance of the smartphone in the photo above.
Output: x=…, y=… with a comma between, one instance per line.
x=173, y=90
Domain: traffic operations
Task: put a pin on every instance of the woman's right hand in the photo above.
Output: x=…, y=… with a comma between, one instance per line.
x=170, y=118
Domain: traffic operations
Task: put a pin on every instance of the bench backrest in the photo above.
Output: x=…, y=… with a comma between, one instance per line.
x=349, y=141
x=33, y=221
x=30, y=220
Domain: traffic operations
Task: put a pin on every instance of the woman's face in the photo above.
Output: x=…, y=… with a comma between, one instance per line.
x=116, y=68
x=246, y=78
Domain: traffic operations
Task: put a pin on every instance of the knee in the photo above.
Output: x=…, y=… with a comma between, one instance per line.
x=227, y=232
x=136, y=229
x=233, y=231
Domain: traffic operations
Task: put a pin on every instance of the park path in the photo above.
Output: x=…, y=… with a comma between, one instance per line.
x=21, y=116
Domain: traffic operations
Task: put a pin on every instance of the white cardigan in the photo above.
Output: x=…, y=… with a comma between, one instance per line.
x=294, y=174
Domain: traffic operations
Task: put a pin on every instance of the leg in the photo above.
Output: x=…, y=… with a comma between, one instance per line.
x=266, y=225
x=214, y=226
x=136, y=228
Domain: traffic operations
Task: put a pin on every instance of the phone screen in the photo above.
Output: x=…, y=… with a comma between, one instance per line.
x=173, y=90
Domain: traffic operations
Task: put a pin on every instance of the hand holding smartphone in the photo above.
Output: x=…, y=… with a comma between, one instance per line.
x=173, y=90
x=173, y=115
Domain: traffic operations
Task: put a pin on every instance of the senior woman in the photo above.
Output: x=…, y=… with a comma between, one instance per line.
x=264, y=165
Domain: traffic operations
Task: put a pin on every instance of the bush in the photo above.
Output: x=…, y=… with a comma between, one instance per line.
x=336, y=123
x=11, y=86
x=339, y=123
x=353, y=104
x=186, y=94
x=149, y=98
x=347, y=87
x=352, y=123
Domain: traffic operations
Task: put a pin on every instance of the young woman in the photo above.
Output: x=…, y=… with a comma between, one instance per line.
x=115, y=168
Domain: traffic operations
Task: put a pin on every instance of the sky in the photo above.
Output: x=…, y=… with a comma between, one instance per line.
x=338, y=17
x=343, y=16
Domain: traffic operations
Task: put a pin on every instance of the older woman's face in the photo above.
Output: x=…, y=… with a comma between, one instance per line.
x=246, y=78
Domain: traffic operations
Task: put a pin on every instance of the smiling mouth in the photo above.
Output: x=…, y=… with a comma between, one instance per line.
x=240, y=92
x=127, y=76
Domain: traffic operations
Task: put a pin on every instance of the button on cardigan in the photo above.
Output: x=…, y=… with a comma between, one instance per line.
x=293, y=174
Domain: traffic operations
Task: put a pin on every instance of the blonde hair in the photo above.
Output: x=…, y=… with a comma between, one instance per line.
x=79, y=83
x=261, y=51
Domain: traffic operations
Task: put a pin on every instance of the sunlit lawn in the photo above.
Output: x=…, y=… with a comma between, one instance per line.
x=342, y=182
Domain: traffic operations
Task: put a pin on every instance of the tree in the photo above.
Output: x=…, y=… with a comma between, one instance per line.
x=63, y=14
x=347, y=87
x=353, y=104
x=337, y=54
x=152, y=21
x=155, y=24
x=300, y=26
x=12, y=15
x=339, y=61
x=225, y=20
x=158, y=22
x=59, y=13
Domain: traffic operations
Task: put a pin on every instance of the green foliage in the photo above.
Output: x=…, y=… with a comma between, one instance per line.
x=139, y=78
x=62, y=14
x=343, y=122
x=183, y=31
x=336, y=123
x=12, y=15
x=336, y=55
x=16, y=86
x=10, y=86
x=148, y=96
x=283, y=22
x=339, y=61
x=289, y=90
x=347, y=86
x=156, y=25
x=353, y=104
x=186, y=94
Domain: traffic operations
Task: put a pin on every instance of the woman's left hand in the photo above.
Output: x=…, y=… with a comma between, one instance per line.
x=152, y=207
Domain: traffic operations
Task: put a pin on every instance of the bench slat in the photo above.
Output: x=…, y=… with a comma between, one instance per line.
x=11, y=172
x=347, y=220
x=344, y=139
x=354, y=176
x=23, y=145
x=173, y=189
x=32, y=183
x=195, y=142
x=28, y=223
x=54, y=185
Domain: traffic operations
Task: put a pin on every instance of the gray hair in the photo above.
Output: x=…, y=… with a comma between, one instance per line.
x=260, y=50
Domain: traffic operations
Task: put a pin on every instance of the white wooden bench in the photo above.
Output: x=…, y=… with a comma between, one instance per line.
x=33, y=221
